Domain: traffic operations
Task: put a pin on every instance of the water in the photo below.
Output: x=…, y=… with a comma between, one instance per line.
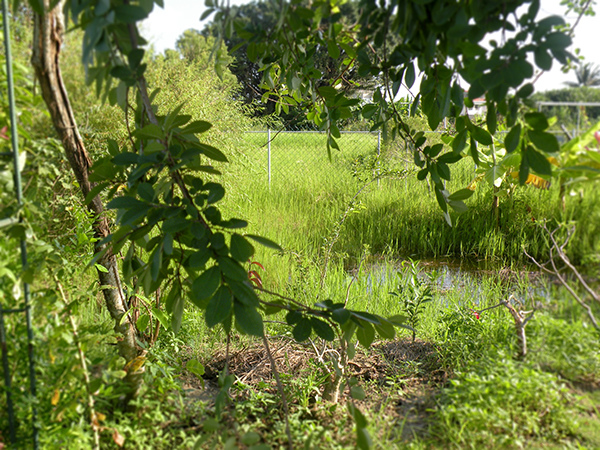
x=475, y=282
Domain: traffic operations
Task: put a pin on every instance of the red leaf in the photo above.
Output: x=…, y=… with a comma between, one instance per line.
x=3, y=132
x=256, y=282
x=258, y=264
x=254, y=273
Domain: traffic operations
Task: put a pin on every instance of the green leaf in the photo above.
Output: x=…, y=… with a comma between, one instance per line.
x=150, y=131
x=251, y=437
x=198, y=126
x=194, y=366
x=215, y=192
x=177, y=315
x=365, y=333
x=459, y=142
x=126, y=202
x=462, y=194
x=264, y=241
x=244, y=293
x=457, y=95
x=232, y=269
x=357, y=393
x=409, y=75
x=482, y=136
x=511, y=141
x=212, y=152
x=37, y=6
x=328, y=92
x=302, y=330
x=101, y=268
x=525, y=91
x=130, y=13
x=363, y=439
x=385, y=329
x=248, y=319
x=537, y=121
x=458, y=206
x=546, y=142
x=176, y=224
x=234, y=224
x=473, y=150
x=450, y=158
x=322, y=329
x=161, y=317
x=156, y=262
x=219, y=307
x=293, y=317
x=491, y=117
x=558, y=40
x=135, y=57
x=205, y=286
x=199, y=259
x=443, y=170
x=146, y=192
x=332, y=48
x=538, y=162
x=441, y=199
x=240, y=248
x=96, y=191
x=523, y=169
x=142, y=322
x=542, y=58
x=340, y=315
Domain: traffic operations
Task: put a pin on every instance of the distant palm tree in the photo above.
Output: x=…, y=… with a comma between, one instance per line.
x=587, y=75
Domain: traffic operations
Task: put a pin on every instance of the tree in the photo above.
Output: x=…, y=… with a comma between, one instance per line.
x=49, y=29
x=256, y=19
x=587, y=74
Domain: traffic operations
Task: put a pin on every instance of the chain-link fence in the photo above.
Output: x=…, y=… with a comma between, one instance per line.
x=286, y=156
x=283, y=156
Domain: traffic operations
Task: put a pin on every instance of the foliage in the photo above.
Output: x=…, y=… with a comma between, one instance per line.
x=570, y=347
x=256, y=19
x=503, y=403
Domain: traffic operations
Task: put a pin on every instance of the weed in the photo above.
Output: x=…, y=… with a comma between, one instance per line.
x=414, y=293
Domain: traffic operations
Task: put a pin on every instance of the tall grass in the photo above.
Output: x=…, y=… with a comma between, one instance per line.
x=304, y=206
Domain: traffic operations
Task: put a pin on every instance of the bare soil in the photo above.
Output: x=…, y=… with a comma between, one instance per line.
x=400, y=377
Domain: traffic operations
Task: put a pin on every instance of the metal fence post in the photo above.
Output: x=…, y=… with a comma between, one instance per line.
x=269, y=154
x=18, y=192
x=378, y=156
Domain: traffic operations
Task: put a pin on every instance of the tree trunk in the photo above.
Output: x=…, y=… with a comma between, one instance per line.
x=47, y=43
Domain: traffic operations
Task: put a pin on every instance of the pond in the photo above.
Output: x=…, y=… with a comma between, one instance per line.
x=475, y=281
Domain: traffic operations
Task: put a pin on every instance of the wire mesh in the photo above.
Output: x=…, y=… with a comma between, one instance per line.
x=284, y=156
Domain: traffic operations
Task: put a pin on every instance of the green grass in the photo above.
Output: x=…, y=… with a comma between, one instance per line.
x=399, y=216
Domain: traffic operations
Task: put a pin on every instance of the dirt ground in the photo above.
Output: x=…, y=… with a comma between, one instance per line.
x=401, y=376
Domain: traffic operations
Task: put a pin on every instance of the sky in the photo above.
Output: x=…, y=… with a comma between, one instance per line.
x=164, y=26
